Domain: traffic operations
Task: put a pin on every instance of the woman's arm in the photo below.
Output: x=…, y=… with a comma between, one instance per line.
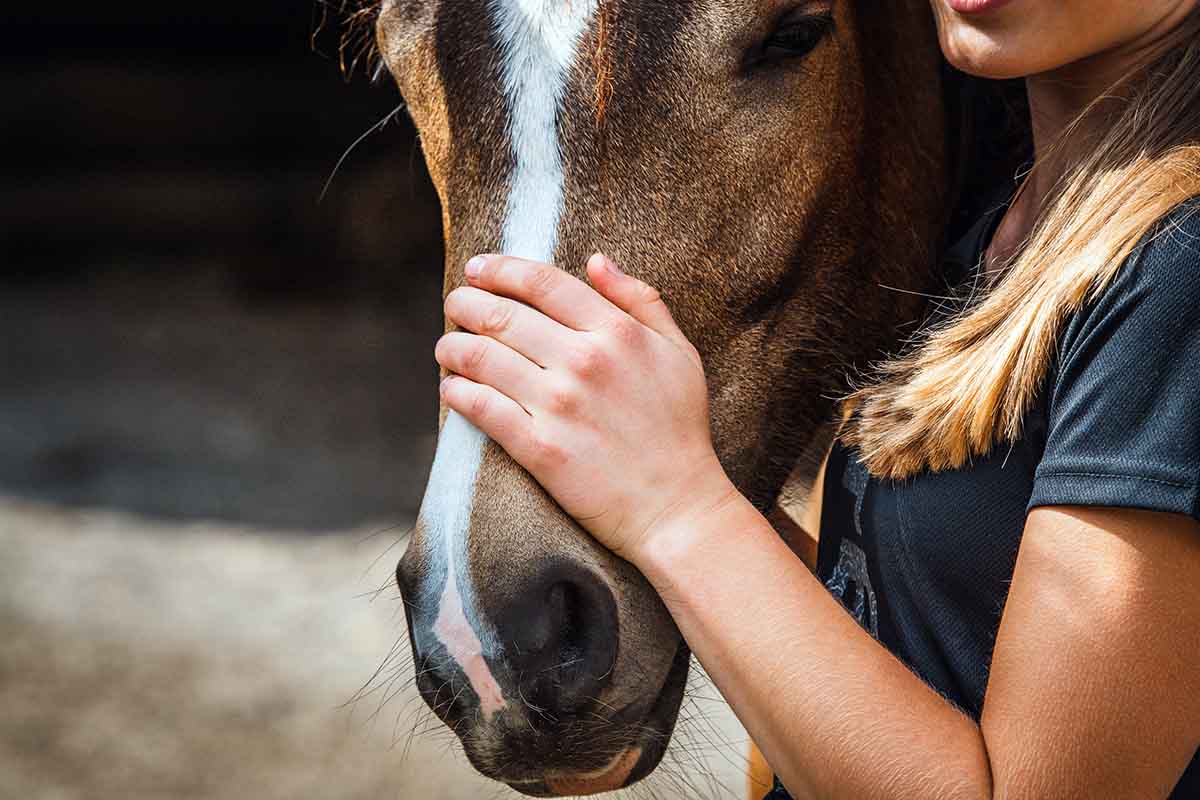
x=1094, y=690
x=1095, y=682
x=835, y=714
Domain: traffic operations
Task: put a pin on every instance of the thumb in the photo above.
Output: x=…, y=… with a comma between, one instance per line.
x=637, y=299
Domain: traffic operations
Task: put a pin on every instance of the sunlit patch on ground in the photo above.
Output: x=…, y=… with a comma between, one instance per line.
x=150, y=660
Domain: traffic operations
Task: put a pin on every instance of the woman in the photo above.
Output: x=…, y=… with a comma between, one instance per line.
x=1012, y=515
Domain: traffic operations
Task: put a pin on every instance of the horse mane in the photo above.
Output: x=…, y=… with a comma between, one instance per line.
x=356, y=21
x=989, y=138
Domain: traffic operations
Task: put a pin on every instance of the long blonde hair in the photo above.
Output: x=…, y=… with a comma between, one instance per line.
x=969, y=382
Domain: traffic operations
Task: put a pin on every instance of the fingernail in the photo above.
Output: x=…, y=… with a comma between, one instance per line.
x=444, y=385
x=612, y=266
x=475, y=267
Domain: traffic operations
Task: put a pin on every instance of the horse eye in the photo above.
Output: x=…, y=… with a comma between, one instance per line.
x=796, y=37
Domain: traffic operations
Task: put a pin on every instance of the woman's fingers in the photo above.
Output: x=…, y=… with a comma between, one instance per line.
x=636, y=298
x=556, y=294
x=485, y=360
x=499, y=417
x=526, y=330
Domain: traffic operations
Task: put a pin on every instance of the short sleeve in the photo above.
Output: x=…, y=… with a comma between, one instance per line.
x=1123, y=406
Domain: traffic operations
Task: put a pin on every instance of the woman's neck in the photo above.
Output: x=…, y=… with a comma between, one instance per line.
x=1062, y=132
x=1068, y=114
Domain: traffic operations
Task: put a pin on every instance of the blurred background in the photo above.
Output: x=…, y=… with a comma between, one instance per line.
x=189, y=329
x=217, y=410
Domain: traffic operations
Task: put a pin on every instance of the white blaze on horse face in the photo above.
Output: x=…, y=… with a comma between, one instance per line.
x=446, y=513
x=539, y=41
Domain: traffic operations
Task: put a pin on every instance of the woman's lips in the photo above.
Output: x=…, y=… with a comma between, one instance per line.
x=976, y=6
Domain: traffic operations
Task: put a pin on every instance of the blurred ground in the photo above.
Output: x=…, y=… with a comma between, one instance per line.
x=200, y=662
x=145, y=661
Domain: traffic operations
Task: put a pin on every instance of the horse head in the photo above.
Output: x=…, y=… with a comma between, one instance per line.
x=773, y=168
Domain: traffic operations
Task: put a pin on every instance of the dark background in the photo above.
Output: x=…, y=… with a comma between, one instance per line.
x=187, y=330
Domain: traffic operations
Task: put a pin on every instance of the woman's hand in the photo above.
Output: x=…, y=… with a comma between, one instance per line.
x=596, y=393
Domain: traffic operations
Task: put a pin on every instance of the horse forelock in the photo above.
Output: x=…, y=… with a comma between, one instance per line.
x=359, y=45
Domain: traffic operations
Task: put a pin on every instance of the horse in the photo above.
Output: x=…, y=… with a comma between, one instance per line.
x=778, y=170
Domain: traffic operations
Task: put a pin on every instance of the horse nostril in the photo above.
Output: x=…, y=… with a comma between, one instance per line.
x=563, y=639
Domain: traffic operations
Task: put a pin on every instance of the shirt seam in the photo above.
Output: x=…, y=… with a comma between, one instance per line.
x=1124, y=476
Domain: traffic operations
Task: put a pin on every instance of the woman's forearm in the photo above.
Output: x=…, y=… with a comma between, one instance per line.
x=835, y=714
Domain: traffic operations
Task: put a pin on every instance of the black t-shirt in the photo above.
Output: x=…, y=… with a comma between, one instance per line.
x=924, y=564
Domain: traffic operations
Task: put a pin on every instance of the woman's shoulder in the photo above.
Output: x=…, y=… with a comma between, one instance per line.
x=1122, y=428
x=1168, y=257
x=1158, y=285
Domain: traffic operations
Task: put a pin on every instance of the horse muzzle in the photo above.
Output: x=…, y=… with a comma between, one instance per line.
x=522, y=670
